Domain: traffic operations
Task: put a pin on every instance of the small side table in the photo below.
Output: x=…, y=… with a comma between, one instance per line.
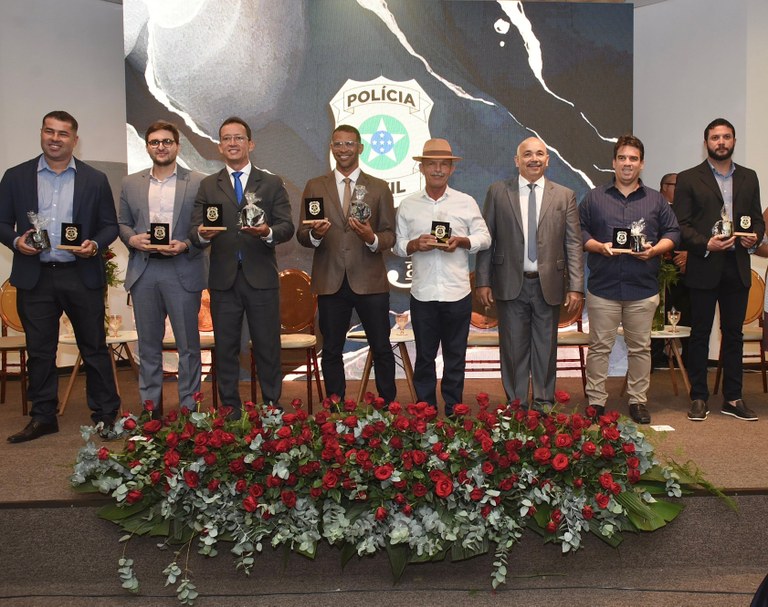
x=398, y=340
x=118, y=350
x=674, y=356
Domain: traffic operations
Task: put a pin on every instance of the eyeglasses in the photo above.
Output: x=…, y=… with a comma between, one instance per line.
x=338, y=145
x=232, y=139
x=154, y=143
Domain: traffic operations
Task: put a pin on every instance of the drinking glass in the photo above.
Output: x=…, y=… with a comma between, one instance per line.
x=114, y=322
x=674, y=317
x=401, y=320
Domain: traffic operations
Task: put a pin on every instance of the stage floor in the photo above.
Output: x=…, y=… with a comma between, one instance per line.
x=730, y=452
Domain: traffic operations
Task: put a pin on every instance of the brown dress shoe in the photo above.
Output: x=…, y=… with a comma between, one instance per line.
x=35, y=429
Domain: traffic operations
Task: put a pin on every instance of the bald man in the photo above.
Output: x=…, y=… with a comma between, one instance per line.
x=534, y=264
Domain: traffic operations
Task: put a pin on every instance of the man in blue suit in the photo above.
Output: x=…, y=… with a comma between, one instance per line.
x=60, y=189
x=168, y=282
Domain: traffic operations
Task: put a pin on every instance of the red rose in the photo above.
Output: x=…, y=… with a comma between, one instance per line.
x=607, y=451
x=172, y=458
x=633, y=475
x=103, y=453
x=214, y=485
x=633, y=462
x=273, y=481
x=551, y=527
x=628, y=448
x=560, y=462
x=288, y=498
x=330, y=480
x=611, y=433
x=237, y=466
x=605, y=480
x=240, y=485
x=587, y=512
x=129, y=424
x=250, y=504
x=443, y=487
x=578, y=483
x=284, y=432
x=350, y=421
x=210, y=458
x=602, y=500
x=563, y=440
x=401, y=423
x=419, y=457
x=542, y=455
x=485, y=511
x=152, y=426
x=191, y=478
x=395, y=408
x=483, y=400
x=396, y=442
x=487, y=467
x=381, y=513
x=476, y=494
x=315, y=492
x=382, y=473
x=589, y=448
x=155, y=477
x=407, y=510
x=134, y=496
x=460, y=409
x=256, y=490
x=419, y=490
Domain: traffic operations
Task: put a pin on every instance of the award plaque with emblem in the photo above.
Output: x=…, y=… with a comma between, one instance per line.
x=313, y=210
x=213, y=219
x=71, y=236
x=441, y=230
x=745, y=223
x=620, y=242
x=159, y=236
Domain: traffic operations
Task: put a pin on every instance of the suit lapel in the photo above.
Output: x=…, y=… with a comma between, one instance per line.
x=225, y=185
x=708, y=179
x=77, y=194
x=182, y=181
x=333, y=206
x=546, y=200
x=253, y=181
x=514, y=201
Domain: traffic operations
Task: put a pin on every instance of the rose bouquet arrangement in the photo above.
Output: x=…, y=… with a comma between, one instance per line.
x=365, y=477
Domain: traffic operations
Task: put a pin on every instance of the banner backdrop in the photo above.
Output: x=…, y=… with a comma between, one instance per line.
x=484, y=75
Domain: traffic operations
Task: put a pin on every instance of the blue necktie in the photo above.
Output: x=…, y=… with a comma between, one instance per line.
x=532, y=226
x=238, y=186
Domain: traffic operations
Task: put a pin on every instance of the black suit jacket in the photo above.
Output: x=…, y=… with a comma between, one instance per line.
x=697, y=204
x=258, y=256
x=93, y=208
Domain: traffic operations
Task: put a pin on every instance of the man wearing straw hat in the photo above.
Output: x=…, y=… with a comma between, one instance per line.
x=439, y=227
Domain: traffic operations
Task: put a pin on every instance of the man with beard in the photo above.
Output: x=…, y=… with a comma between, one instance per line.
x=164, y=283
x=623, y=289
x=348, y=271
x=534, y=265
x=441, y=298
x=718, y=267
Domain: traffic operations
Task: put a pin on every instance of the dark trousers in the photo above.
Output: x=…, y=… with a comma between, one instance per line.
x=438, y=323
x=61, y=290
x=335, y=313
x=732, y=296
x=261, y=308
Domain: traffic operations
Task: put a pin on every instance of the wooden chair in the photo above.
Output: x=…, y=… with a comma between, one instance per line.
x=752, y=335
x=483, y=333
x=12, y=343
x=298, y=306
x=569, y=339
x=207, y=343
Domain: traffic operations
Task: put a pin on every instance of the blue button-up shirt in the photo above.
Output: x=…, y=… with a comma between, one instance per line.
x=623, y=277
x=55, y=196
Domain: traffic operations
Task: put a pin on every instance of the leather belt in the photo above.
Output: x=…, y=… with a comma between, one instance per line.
x=531, y=274
x=58, y=265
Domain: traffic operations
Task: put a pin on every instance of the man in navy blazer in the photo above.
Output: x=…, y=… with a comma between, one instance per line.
x=718, y=268
x=164, y=283
x=243, y=277
x=60, y=189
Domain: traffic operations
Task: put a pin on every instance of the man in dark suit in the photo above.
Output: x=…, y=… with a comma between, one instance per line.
x=60, y=189
x=718, y=266
x=536, y=249
x=164, y=283
x=348, y=271
x=243, y=277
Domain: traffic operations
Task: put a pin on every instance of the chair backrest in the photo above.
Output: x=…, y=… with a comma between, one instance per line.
x=482, y=317
x=756, y=298
x=297, y=302
x=204, y=318
x=567, y=318
x=8, y=311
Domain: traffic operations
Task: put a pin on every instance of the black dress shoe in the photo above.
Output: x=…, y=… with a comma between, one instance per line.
x=639, y=413
x=34, y=429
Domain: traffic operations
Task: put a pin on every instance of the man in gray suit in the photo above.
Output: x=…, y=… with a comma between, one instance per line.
x=243, y=277
x=536, y=250
x=168, y=282
x=348, y=271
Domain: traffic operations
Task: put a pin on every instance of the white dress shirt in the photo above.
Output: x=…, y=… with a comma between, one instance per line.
x=437, y=275
x=528, y=265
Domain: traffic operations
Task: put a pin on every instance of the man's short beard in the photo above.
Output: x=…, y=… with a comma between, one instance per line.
x=714, y=156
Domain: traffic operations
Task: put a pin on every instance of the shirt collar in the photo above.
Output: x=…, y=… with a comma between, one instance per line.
x=523, y=182
x=354, y=175
x=152, y=174
x=717, y=173
x=246, y=170
x=42, y=165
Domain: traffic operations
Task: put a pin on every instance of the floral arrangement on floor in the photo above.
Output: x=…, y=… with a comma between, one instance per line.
x=366, y=478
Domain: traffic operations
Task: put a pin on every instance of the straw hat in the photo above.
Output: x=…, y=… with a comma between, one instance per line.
x=438, y=149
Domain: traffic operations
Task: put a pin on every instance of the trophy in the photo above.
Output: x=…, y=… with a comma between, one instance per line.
x=71, y=236
x=251, y=215
x=441, y=230
x=313, y=210
x=724, y=226
x=359, y=209
x=39, y=238
x=636, y=236
x=212, y=217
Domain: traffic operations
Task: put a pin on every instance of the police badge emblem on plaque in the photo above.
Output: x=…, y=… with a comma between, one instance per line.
x=441, y=230
x=212, y=216
x=71, y=236
x=313, y=210
x=159, y=235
